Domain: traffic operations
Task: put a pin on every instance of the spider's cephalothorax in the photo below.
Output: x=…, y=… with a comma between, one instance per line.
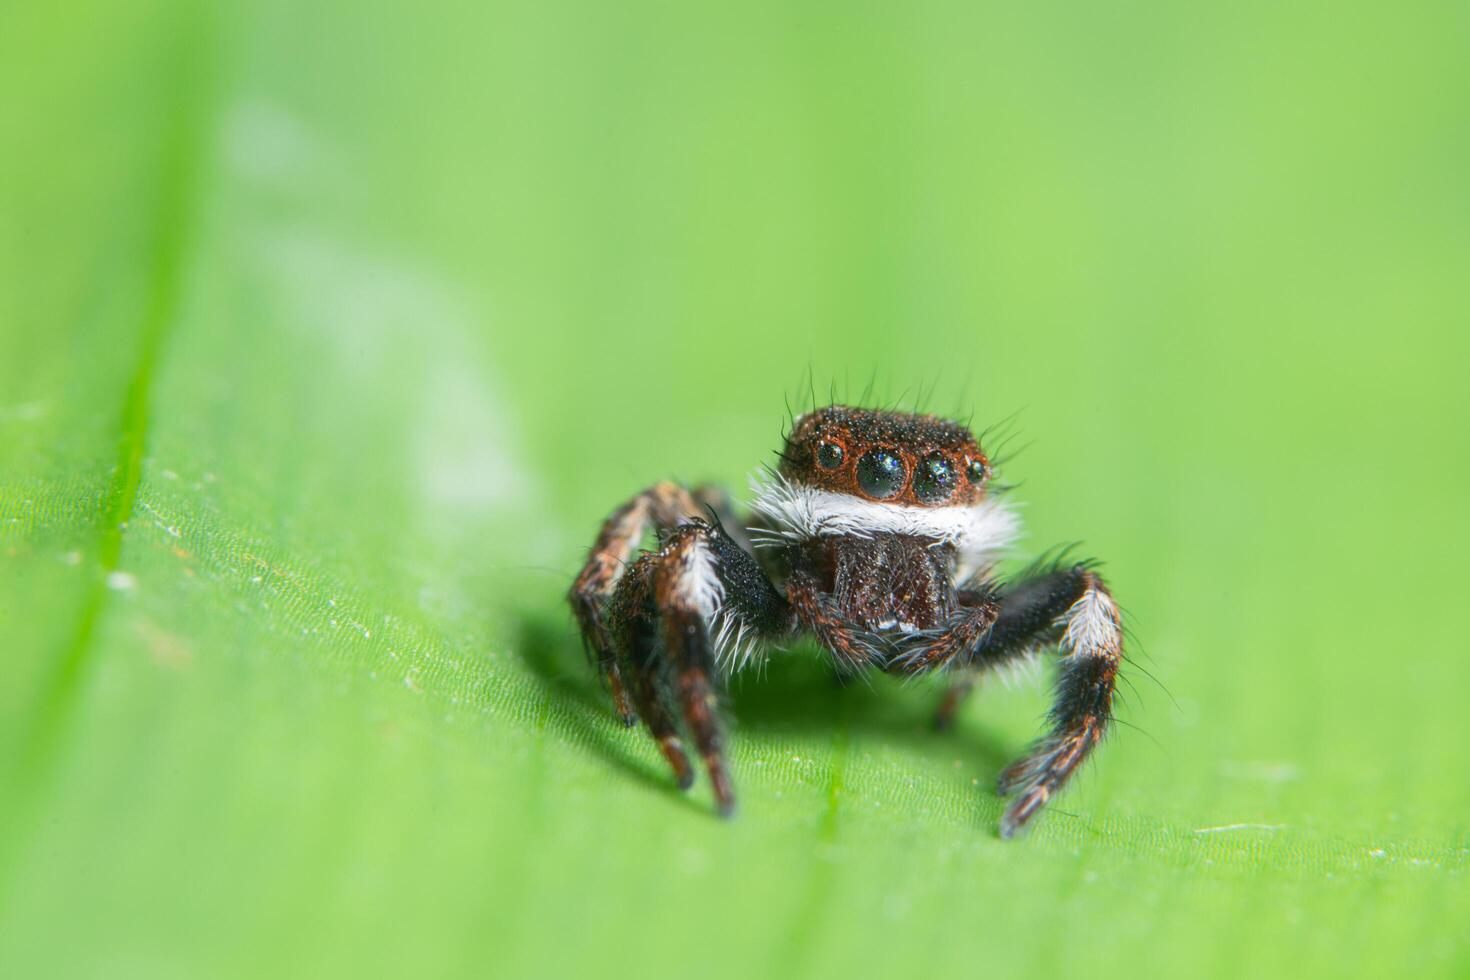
x=877, y=536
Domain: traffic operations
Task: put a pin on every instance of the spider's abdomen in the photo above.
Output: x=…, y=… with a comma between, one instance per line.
x=892, y=581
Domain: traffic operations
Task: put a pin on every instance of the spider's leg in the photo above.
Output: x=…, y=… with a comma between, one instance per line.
x=954, y=696
x=1076, y=604
x=1026, y=623
x=662, y=506
x=696, y=601
x=633, y=622
x=1073, y=609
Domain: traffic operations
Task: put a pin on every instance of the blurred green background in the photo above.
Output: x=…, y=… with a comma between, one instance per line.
x=329, y=332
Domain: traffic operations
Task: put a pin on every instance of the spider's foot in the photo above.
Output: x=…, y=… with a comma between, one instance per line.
x=1014, y=820
x=723, y=790
x=622, y=703
x=1024, y=776
x=673, y=751
x=1043, y=773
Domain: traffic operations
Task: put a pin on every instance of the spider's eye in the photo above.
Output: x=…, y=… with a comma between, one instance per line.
x=935, y=479
x=880, y=474
x=977, y=471
x=829, y=455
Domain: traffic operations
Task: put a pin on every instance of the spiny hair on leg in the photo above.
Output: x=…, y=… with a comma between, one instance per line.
x=735, y=644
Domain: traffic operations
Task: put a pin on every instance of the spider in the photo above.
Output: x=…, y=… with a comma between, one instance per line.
x=877, y=534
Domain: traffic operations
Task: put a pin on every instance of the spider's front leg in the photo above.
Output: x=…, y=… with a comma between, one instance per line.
x=1073, y=610
x=662, y=507
x=1091, y=652
x=679, y=611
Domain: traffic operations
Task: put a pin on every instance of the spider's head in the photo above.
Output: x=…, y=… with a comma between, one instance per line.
x=886, y=457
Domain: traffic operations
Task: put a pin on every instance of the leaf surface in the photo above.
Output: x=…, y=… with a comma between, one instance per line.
x=330, y=335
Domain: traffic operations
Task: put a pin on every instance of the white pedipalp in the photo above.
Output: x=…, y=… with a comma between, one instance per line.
x=794, y=512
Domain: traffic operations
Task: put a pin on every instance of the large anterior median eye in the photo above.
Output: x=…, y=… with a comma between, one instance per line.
x=935, y=478
x=880, y=474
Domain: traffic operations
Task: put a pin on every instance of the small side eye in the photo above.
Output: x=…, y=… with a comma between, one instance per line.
x=881, y=474
x=935, y=479
x=829, y=455
x=978, y=471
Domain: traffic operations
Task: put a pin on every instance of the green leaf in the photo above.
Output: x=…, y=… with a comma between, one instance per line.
x=329, y=333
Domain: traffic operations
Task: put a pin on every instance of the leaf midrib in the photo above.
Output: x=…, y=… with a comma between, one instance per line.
x=181, y=168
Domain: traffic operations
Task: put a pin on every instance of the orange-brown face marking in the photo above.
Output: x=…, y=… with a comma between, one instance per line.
x=890, y=457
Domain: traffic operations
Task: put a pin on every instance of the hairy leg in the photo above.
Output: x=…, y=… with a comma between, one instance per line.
x=698, y=600
x=1028, y=620
x=1091, y=651
x=662, y=507
x=1069, y=608
x=638, y=652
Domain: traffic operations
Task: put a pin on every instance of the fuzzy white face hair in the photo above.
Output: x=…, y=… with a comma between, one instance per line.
x=792, y=512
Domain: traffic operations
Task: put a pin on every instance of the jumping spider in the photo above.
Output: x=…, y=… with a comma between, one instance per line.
x=877, y=535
